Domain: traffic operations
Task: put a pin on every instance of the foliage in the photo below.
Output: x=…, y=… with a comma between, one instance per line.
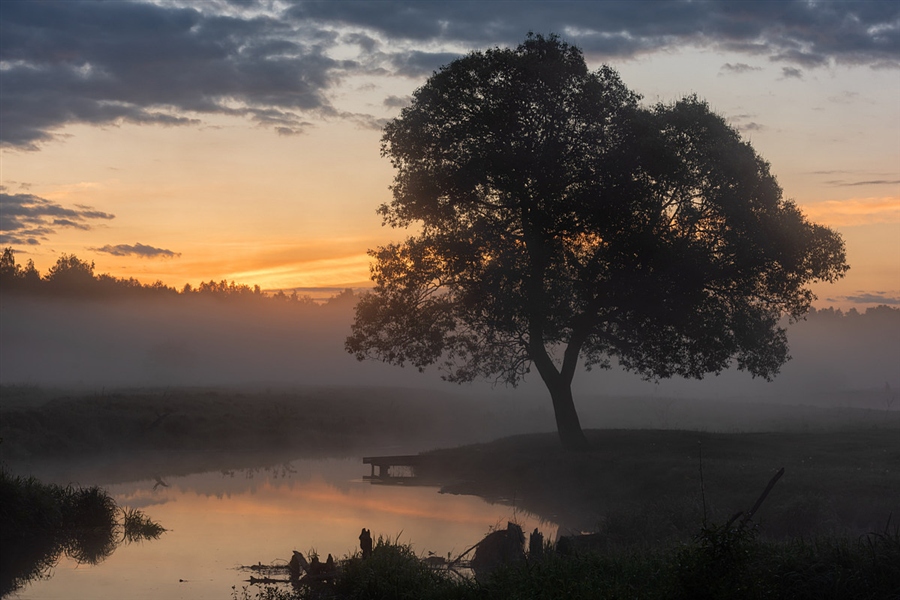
x=560, y=220
x=43, y=522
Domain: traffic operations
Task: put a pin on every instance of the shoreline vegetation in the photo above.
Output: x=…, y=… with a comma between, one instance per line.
x=717, y=563
x=42, y=522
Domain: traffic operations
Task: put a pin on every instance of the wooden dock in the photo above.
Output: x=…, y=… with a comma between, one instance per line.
x=393, y=470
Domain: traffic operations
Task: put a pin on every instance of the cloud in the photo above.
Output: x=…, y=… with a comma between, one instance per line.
x=795, y=31
x=742, y=123
x=415, y=63
x=858, y=211
x=278, y=64
x=791, y=73
x=873, y=298
x=139, y=250
x=843, y=183
x=397, y=102
x=737, y=68
x=29, y=219
x=109, y=62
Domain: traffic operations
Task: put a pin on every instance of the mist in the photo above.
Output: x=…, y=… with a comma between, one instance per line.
x=200, y=341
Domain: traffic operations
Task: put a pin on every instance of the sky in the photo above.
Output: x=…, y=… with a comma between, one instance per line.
x=185, y=141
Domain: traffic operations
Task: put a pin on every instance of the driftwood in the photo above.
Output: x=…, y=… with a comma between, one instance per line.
x=303, y=571
x=497, y=548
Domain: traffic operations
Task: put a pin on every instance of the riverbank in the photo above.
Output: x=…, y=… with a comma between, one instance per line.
x=647, y=487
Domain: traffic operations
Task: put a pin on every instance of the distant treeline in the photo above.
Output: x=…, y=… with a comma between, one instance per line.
x=73, y=277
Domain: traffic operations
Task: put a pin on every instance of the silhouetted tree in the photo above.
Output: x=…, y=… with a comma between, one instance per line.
x=13, y=277
x=8, y=267
x=71, y=274
x=559, y=219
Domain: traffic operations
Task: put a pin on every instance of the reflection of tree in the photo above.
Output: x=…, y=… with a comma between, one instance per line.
x=42, y=522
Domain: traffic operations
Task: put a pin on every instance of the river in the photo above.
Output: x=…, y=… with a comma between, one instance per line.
x=218, y=521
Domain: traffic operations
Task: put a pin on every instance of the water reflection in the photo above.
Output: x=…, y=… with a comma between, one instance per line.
x=218, y=521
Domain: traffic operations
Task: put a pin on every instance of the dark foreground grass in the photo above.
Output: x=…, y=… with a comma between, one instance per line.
x=41, y=522
x=718, y=563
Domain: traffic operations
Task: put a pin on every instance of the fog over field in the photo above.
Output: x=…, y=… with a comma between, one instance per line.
x=176, y=341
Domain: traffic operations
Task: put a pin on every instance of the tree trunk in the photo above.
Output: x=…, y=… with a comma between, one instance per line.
x=567, y=424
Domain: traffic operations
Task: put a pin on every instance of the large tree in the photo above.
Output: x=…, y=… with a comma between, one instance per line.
x=558, y=219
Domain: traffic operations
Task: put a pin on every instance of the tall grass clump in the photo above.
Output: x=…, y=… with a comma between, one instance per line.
x=394, y=571
x=42, y=522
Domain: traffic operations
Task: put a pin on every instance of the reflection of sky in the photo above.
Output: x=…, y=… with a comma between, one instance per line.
x=219, y=521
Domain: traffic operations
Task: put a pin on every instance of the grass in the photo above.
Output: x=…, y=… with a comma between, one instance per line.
x=642, y=487
x=42, y=522
x=717, y=563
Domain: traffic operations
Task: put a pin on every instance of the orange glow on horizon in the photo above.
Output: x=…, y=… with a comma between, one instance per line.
x=854, y=212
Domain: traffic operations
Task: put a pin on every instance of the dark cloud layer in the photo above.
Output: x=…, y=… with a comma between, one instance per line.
x=26, y=219
x=139, y=250
x=108, y=62
x=104, y=62
x=805, y=33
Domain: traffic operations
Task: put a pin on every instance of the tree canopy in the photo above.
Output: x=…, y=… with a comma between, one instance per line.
x=561, y=220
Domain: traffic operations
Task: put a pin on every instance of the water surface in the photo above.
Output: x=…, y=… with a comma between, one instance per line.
x=219, y=521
